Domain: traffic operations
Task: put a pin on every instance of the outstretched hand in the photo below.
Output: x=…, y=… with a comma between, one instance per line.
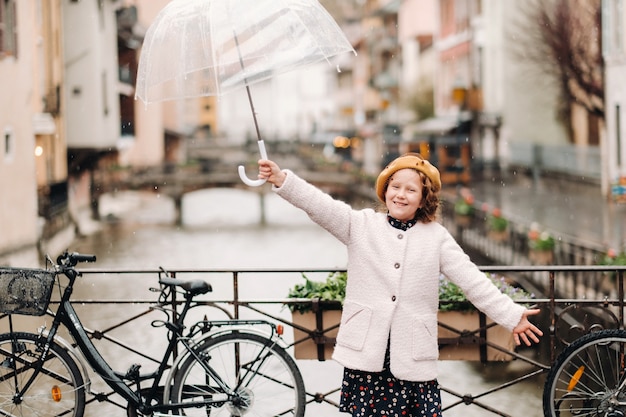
x=525, y=331
x=270, y=171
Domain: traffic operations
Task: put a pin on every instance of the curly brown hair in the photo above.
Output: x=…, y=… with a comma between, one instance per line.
x=430, y=200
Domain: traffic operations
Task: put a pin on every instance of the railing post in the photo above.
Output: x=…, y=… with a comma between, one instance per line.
x=174, y=316
x=552, y=317
x=236, y=294
x=620, y=295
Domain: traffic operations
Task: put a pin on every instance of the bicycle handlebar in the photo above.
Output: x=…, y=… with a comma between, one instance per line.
x=83, y=257
x=72, y=258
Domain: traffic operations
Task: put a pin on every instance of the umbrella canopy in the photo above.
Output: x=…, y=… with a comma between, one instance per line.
x=200, y=48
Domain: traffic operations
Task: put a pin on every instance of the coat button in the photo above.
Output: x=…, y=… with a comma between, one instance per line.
x=396, y=265
x=400, y=236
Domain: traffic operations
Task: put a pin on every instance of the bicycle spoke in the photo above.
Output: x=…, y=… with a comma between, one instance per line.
x=264, y=380
x=29, y=365
x=587, y=378
x=273, y=379
x=54, y=390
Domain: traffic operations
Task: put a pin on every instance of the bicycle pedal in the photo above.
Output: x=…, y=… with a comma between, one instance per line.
x=133, y=372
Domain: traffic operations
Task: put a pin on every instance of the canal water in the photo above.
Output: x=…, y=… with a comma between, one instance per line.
x=221, y=230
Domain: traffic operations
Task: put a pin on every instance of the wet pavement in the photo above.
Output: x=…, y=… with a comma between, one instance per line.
x=570, y=209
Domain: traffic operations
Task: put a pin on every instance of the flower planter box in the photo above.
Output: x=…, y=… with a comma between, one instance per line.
x=541, y=257
x=318, y=329
x=498, y=235
x=463, y=220
x=467, y=340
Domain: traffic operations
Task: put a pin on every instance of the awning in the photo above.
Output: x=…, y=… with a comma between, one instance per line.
x=43, y=124
x=439, y=125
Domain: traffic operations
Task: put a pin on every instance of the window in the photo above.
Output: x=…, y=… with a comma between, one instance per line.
x=105, y=92
x=8, y=28
x=8, y=144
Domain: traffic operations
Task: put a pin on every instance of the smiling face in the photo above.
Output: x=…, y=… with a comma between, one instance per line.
x=404, y=194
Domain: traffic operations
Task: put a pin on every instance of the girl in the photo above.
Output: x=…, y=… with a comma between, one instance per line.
x=387, y=340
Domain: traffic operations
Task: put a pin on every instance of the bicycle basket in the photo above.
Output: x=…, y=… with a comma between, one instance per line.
x=25, y=291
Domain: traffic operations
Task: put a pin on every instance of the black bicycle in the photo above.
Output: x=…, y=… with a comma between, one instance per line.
x=588, y=379
x=224, y=368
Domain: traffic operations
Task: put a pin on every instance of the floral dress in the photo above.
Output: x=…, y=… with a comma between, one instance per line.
x=369, y=394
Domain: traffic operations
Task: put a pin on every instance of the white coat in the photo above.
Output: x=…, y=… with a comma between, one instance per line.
x=393, y=284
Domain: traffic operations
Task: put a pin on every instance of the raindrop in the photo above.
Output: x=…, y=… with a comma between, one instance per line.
x=338, y=69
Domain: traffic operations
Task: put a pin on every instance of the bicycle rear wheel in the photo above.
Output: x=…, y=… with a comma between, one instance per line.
x=261, y=378
x=58, y=390
x=587, y=379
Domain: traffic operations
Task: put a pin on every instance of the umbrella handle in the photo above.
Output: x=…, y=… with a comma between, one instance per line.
x=242, y=169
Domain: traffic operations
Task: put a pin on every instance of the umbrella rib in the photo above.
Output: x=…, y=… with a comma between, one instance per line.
x=308, y=29
x=213, y=56
x=146, y=54
x=245, y=80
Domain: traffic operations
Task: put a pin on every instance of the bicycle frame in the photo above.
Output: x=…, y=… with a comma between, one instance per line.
x=152, y=399
x=69, y=319
x=67, y=316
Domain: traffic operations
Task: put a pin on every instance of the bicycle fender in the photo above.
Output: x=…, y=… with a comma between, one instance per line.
x=75, y=354
x=268, y=335
x=169, y=381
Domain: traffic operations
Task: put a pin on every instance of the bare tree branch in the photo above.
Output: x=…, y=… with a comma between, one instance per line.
x=563, y=39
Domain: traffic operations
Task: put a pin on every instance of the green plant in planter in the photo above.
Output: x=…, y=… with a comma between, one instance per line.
x=333, y=289
x=452, y=298
x=612, y=258
x=496, y=222
x=464, y=206
x=541, y=241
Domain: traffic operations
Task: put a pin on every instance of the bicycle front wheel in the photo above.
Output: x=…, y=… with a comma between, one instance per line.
x=237, y=374
x=58, y=389
x=588, y=378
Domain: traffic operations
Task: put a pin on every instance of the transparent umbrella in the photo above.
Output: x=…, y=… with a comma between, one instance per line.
x=198, y=48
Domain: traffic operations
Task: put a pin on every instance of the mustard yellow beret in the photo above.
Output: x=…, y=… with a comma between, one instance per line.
x=409, y=160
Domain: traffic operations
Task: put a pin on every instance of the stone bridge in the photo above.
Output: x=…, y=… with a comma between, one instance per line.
x=176, y=180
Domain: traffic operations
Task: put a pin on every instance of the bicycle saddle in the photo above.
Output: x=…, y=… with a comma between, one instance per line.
x=194, y=287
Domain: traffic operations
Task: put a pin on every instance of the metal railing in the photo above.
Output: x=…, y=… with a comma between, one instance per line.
x=119, y=320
